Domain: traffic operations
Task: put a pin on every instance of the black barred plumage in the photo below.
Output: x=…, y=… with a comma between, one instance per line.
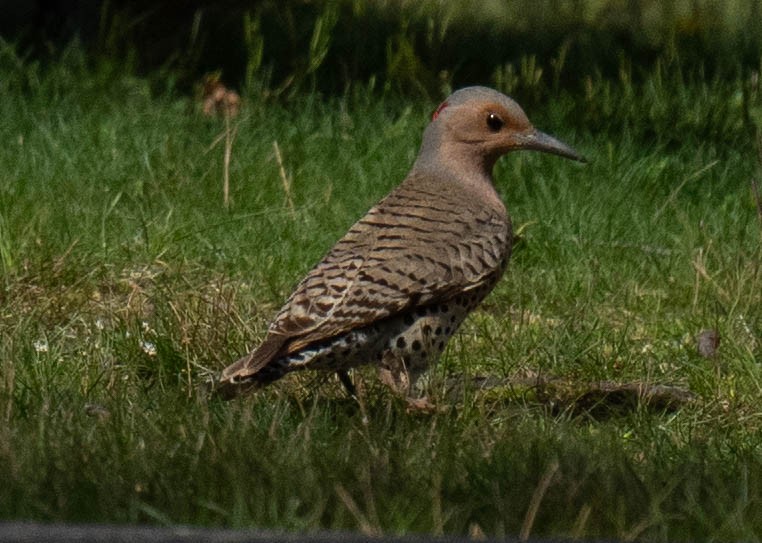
x=396, y=287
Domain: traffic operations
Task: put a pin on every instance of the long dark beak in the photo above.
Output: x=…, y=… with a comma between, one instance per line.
x=539, y=141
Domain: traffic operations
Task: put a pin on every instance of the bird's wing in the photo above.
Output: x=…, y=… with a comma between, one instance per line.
x=414, y=248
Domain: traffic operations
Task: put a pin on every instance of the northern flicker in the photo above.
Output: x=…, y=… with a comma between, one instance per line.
x=396, y=287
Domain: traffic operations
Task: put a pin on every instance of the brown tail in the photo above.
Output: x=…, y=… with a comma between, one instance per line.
x=241, y=376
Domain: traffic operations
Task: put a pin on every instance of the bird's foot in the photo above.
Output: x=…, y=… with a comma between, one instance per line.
x=393, y=373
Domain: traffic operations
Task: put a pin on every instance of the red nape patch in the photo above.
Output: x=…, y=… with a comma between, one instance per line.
x=439, y=110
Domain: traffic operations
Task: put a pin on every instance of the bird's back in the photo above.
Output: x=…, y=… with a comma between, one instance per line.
x=416, y=246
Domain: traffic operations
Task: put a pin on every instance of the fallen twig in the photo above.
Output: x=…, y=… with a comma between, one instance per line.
x=596, y=398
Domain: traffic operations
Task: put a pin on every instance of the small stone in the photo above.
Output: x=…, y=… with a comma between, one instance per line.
x=97, y=411
x=707, y=343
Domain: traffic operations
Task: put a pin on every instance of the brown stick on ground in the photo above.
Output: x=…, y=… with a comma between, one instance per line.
x=597, y=399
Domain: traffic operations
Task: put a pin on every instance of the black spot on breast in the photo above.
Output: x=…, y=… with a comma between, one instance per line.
x=440, y=346
x=438, y=331
x=426, y=330
x=401, y=342
x=448, y=330
x=416, y=345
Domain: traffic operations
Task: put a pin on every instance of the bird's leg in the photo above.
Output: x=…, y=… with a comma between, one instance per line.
x=393, y=373
x=346, y=380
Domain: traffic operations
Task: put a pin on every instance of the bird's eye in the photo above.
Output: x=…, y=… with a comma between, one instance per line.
x=494, y=122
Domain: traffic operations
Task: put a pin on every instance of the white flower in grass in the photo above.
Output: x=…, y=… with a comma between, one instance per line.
x=40, y=345
x=147, y=328
x=148, y=347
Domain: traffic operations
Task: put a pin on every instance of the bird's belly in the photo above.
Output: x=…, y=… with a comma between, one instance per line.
x=417, y=337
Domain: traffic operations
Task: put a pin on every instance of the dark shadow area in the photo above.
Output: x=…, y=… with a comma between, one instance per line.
x=407, y=46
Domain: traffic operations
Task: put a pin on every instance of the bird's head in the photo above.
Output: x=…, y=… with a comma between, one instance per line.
x=483, y=124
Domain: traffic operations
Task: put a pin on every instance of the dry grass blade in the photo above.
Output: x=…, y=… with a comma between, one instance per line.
x=217, y=99
x=285, y=180
x=672, y=195
x=365, y=526
x=229, y=137
x=582, y=518
x=537, y=496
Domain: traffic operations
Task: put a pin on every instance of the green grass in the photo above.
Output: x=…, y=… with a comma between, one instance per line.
x=125, y=283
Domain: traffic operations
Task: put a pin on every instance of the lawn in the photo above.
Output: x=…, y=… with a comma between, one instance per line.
x=126, y=283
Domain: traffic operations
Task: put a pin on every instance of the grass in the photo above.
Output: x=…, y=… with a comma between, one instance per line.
x=125, y=283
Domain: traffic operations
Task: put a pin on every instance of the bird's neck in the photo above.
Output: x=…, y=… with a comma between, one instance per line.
x=456, y=167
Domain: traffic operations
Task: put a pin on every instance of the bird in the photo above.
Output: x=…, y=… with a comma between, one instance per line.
x=397, y=286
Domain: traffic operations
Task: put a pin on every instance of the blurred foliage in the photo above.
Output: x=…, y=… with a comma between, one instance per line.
x=413, y=46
